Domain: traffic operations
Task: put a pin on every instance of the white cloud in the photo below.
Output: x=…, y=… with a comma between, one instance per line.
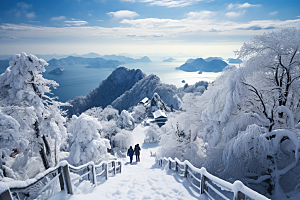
x=21, y=9
x=76, y=23
x=298, y=16
x=171, y=3
x=168, y=3
x=58, y=18
x=30, y=15
x=150, y=29
x=123, y=14
x=273, y=13
x=200, y=15
x=241, y=6
x=23, y=6
x=235, y=14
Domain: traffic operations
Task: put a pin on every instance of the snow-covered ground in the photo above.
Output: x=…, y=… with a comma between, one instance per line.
x=140, y=180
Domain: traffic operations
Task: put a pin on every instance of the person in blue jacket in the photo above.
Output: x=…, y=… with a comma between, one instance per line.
x=130, y=153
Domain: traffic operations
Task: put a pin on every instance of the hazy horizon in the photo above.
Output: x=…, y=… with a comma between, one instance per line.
x=199, y=28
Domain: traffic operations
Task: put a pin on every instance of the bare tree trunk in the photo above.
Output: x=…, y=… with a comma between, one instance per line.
x=41, y=146
x=55, y=153
x=47, y=146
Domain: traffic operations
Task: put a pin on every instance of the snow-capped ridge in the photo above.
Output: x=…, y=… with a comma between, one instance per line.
x=119, y=81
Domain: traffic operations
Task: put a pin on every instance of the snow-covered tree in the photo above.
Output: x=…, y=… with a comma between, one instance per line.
x=23, y=96
x=10, y=137
x=106, y=114
x=125, y=121
x=274, y=59
x=225, y=96
x=10, y=133
x=153, y=133
x=181, y=138
x=86, y=143
x=254, y=109
x=122, y=140
x=139, y=113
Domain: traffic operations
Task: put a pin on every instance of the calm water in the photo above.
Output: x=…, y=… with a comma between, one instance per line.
x=77, y=80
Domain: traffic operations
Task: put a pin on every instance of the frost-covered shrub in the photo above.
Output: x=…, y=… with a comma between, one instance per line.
x=122, y=140
x=153, y=133
x=181, y=139
x=139, y=113
x=10, y=135
x=198, y=88
x=106, y=114
x=247, y=152
x=125, y=121
x=86, y=144
x=110, y=129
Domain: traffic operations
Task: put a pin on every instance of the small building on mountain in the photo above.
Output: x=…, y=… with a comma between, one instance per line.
x=160, y=117
x=145, y=101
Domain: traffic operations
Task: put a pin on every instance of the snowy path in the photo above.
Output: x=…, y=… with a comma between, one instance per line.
x=142, y=180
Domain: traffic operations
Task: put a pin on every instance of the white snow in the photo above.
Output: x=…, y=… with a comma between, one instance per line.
x=142, y=180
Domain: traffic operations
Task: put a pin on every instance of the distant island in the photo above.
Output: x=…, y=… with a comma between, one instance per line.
x=201, y=65
x=234, y=61
x=57, y=71
x=126, y=59
x=108, y=61
x=169, y=60
x=105, y=64
x=91, y=62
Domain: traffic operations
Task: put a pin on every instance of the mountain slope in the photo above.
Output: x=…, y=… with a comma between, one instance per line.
x=121, y=80
x=146, y=88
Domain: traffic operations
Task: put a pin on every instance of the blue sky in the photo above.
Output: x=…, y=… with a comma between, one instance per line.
x=198, y=27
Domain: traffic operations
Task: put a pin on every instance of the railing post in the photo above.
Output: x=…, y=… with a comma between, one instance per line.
x=113, y=166
x=106, y=171
x=67, y=179
x=6, y=195
x=240, y=196
x=115, y=169
x=202, y=184
x=176, y=166
x=120, y=166
x=91, y=175
x=61, y=179
x=185, y=170
x=170, y=164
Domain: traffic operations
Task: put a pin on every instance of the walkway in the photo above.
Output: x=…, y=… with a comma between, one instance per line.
x=142, y=180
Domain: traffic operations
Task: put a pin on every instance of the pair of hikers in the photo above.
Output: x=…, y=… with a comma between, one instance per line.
x=135, y=151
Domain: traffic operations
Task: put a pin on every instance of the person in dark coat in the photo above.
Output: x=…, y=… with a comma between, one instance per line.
x=137, y=150
x=130, y=153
